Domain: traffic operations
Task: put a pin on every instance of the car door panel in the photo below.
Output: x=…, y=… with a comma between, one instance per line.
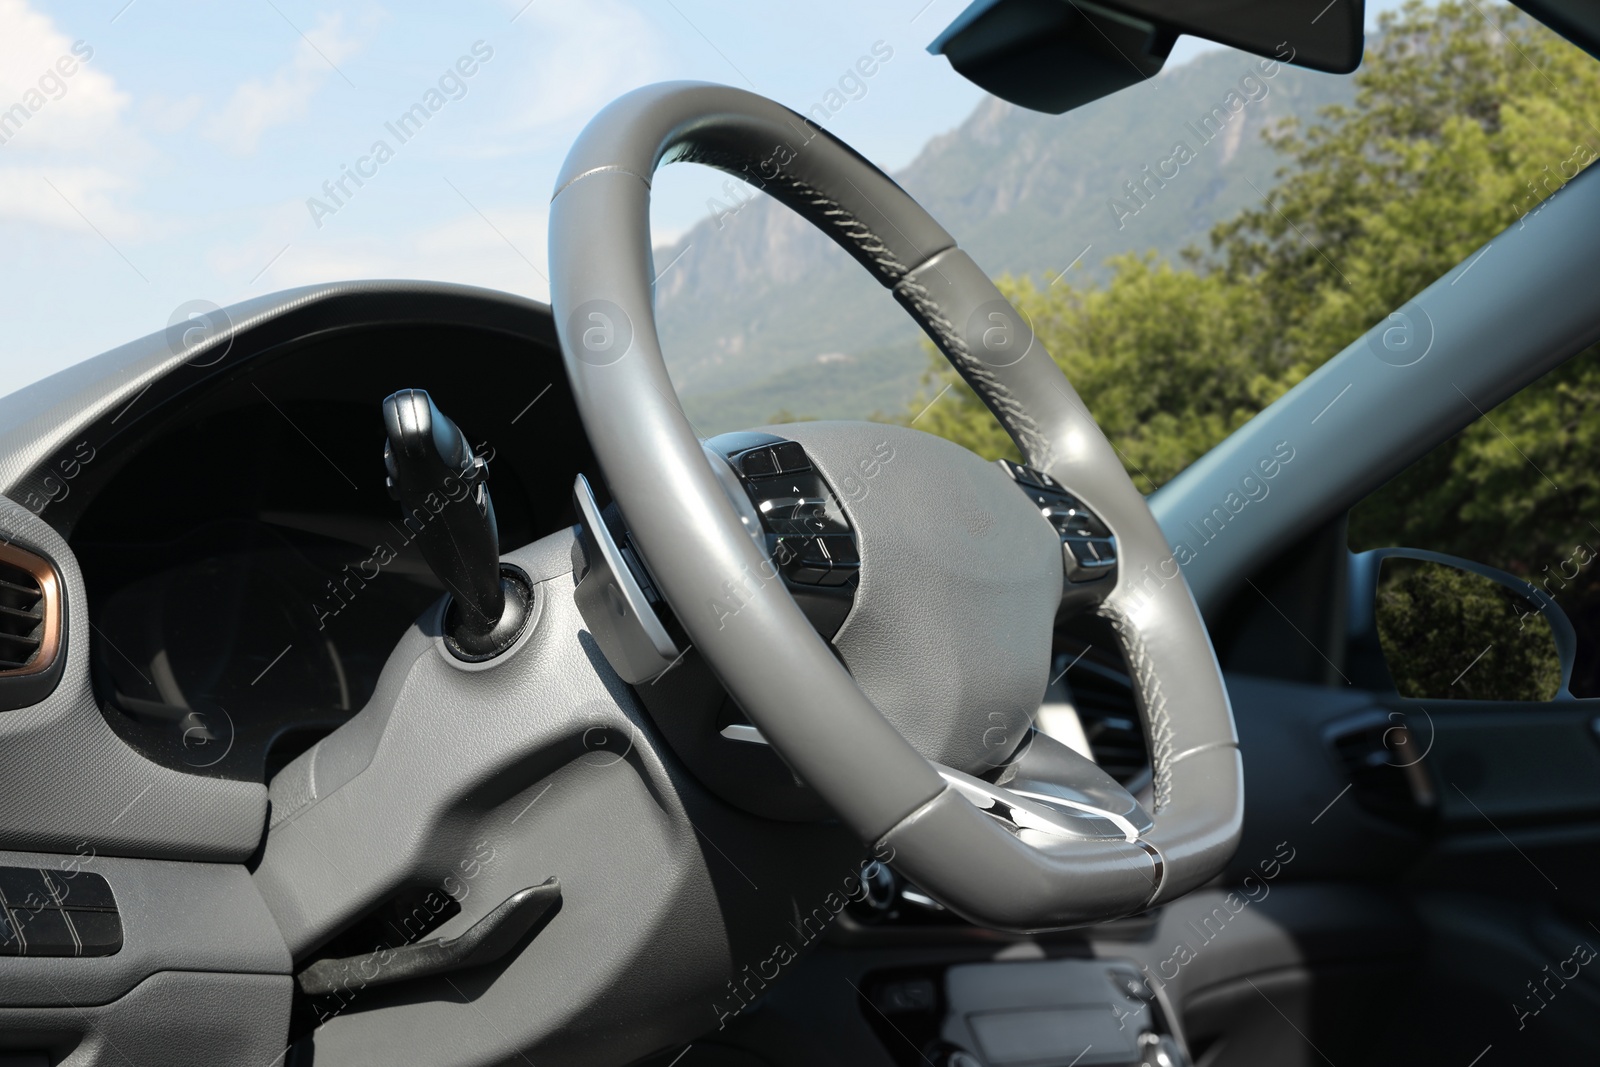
x=171, y=1019
x=174, y=917
x=1510, y=762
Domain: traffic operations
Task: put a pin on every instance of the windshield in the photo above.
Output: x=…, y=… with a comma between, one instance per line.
x=153, y=156
x=1187, y=249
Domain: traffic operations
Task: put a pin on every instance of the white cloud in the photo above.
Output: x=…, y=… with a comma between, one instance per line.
x=55, y=196
x=53, y=98
x=464, y=249
x=59, y=115
x=285, y=96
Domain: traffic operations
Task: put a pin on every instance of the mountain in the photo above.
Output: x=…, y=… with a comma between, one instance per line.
x=761, y=314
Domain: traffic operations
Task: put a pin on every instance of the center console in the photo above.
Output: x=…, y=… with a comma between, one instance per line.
x=1028, y=1013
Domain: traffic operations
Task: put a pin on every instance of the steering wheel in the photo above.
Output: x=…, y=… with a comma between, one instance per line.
x=909, y=733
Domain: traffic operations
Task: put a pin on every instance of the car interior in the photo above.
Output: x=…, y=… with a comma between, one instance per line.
x=391, y=672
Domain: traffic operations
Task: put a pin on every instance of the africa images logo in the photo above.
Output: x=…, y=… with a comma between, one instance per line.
x=1404, y=338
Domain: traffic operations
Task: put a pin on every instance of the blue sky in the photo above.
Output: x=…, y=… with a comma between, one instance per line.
x=176, y=160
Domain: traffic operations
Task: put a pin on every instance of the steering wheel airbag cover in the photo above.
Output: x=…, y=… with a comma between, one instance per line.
x=960, y=580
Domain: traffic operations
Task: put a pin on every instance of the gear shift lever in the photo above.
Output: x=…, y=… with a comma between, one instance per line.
x=441, y=486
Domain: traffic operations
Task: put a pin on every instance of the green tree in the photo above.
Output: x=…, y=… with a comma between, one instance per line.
x=1467, y=117
x=1449, y=634
x=1164, y=386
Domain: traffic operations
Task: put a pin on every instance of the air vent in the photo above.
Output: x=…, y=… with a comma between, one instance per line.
x=1384, y=765
x=1101, y=692
x=30, y=624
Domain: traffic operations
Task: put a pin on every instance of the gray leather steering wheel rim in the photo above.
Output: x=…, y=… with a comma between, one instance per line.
x=769, y=657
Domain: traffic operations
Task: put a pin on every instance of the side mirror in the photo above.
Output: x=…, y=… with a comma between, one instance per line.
x=1444, y=628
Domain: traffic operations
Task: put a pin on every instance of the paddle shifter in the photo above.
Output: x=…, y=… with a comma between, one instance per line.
x=443, y=492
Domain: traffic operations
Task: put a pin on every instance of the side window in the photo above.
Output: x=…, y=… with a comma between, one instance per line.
x=1517, y=492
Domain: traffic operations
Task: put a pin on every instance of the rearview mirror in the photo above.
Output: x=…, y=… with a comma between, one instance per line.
x=1452, y=629
x=1054, y=55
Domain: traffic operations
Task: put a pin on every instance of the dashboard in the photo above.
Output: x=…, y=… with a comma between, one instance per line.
x=246, y=570
x=248, y=575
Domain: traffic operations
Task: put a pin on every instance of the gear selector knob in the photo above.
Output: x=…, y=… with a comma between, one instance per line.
x=443, y=492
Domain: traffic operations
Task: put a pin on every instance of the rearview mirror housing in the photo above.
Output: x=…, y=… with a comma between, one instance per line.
x=1055, y=55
